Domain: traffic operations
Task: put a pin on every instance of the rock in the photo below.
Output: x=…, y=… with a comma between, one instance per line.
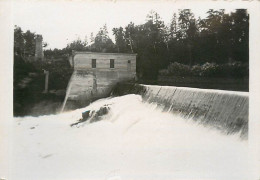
x=96, y=115
x=85, y=115
x=93, y=116
x=102, y=111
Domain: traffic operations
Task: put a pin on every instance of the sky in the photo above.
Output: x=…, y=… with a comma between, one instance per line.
x=65, y=21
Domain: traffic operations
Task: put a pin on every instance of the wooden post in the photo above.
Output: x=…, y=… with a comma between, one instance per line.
x=46, y=81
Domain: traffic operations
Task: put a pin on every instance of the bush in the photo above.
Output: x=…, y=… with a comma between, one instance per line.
x=235, y=69
x=196, y=70
x=164, y=72
x=232, y=70
x=21, y=69
x=179, y=69
x=229, y=70
x=210, y=70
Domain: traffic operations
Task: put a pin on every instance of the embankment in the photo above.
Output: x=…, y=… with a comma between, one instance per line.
x=226, y=111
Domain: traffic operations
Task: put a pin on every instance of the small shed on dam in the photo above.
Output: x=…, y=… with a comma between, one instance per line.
x=95, y=73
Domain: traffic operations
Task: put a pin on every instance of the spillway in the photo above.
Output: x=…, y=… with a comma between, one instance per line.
x=139, y=138
x=226, y=111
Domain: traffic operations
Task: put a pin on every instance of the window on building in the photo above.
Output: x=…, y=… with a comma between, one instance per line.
x=94, y=63
x=129, y=65
x=112, y=63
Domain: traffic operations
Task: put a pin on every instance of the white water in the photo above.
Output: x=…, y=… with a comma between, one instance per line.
x=134, y=141
x=67, y=92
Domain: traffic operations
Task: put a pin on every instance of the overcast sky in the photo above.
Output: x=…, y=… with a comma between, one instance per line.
x=62, y=22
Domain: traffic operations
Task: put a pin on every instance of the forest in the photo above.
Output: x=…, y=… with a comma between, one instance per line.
x=219, y=39
x=186, y=45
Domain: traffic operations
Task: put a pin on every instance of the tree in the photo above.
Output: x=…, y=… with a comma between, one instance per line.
x=78, y=45
x=102, y=42
x=130, y=32
x=92, y=39
x=187, y=31
x=186, y=18
x=24, y=43
x=18, y=41
x=240, y=33
x=29, y=47
x=156, y=29
x=173, y=27
x=120, y=39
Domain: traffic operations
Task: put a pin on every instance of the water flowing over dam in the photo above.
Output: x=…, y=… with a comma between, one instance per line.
x=136, y=139
x=224, y=110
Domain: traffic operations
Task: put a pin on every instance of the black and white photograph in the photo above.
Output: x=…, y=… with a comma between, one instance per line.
x=128, y=90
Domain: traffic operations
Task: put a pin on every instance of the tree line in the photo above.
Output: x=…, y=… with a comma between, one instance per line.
x=24, y=42
x=219, y=37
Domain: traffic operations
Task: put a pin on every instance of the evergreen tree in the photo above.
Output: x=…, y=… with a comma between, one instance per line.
x=102, y=41
x=173, y=27
x=185, y=20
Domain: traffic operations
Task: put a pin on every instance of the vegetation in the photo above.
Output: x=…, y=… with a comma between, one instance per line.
x=29, y=79
x=24, y=42
x=219, y=39
x=28, y=84
x=235, y=69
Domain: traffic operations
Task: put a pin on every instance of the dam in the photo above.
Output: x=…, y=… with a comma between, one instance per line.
x=226, y=111
x=99, y=75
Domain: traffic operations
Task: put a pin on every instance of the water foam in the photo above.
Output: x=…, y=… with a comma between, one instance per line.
x=135, y=140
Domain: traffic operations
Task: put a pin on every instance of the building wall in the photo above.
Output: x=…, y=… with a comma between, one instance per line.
x=87, y=82
x=83, y=61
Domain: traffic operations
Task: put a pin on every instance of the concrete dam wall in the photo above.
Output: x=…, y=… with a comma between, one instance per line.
x=86, y=85
x=226, y=111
